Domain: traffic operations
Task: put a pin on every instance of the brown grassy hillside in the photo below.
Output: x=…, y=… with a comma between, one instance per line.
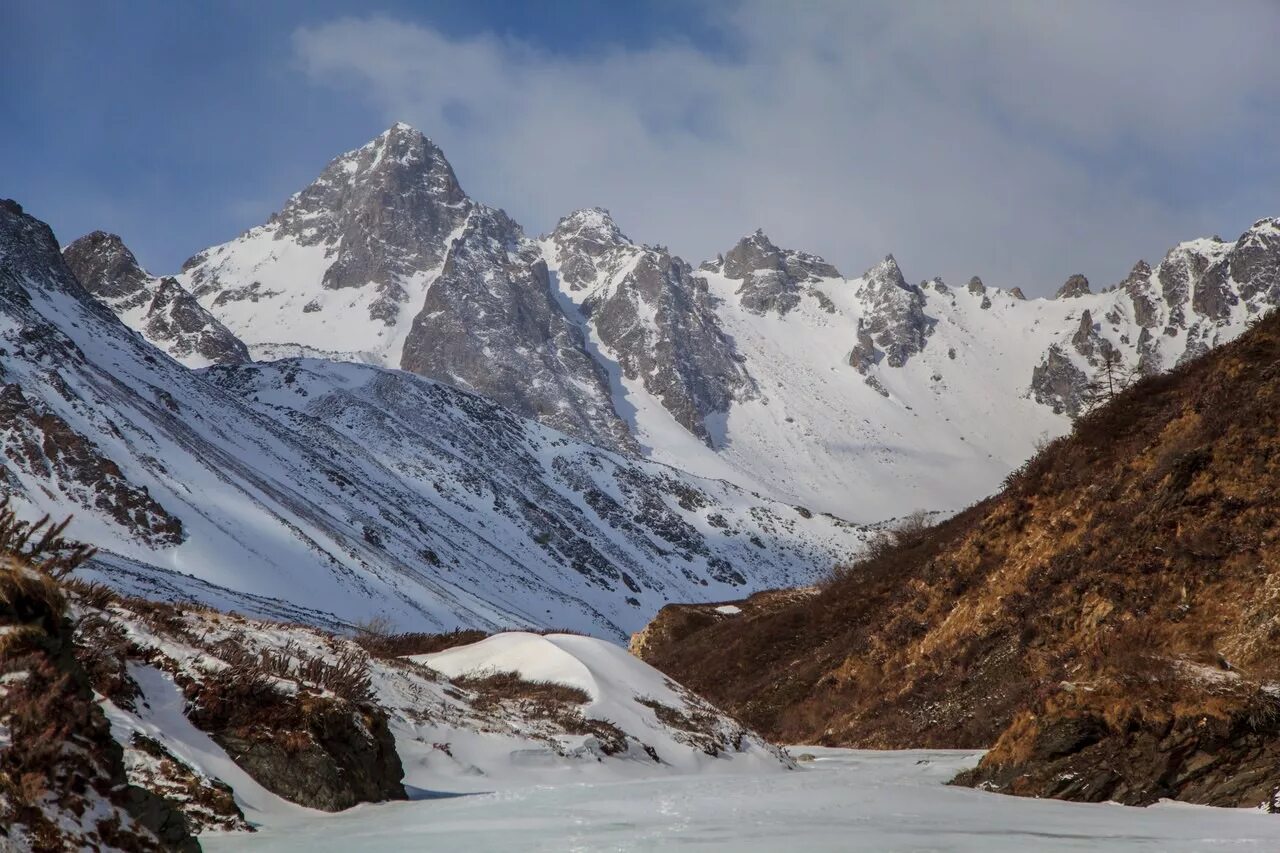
x=1110, y=618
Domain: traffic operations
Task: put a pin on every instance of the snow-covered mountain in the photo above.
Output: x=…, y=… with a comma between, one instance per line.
x=866, y=396
x=329, y=492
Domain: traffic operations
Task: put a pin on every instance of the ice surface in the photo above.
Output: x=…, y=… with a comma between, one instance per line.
x=847, y=800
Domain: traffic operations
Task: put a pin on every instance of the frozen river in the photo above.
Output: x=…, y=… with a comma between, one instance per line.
x=845, y=800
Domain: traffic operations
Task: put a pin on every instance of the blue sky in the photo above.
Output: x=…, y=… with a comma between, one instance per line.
x=181, y=124
x=1015, y=140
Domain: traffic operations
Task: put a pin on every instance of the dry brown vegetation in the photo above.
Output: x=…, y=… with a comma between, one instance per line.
x=556, y=703
x=493, y=688
x=58, y=745
x=388, y=645
x=1143, y=543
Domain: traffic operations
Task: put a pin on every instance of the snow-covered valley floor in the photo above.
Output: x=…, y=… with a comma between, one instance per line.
x=845, y=800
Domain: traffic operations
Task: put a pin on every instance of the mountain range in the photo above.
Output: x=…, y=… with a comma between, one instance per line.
x=866, y=396
x=332, y=492
x=389, y=402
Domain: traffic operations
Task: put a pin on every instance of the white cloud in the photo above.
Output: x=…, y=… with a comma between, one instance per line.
x=1020, y=141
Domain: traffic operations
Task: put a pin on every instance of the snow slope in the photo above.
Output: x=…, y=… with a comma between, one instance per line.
x=338, y=492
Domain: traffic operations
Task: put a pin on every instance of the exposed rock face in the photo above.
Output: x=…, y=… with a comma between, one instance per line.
x=348, y=756
x=895, y=326
x=1058, y=383
x=660, y=323
x=1088, y=342
x=1255, y=261
x=773, y=279
x=207, y=804
x=655, y=316
x=105, y=267
x=491, y=324
x=160, y=308
x=1137, y=285
x=592, y=248
x=1076, y=285
x=1226, y=761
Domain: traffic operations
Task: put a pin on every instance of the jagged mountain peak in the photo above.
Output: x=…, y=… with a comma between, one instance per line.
x=1137, y=277
x=103, y=242
x=401, y=127
x=756, y=253
x=758, y=238
x=593, y=224
x=1075, y=286
x=886, y=271
x=344, y=267
x=400, y=139
x=105, y=266
x=401, y=150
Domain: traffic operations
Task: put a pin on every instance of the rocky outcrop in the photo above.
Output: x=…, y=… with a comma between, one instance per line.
x=895, y=326
x=105, y=267
x=1137, y=286
x=160, y=308
x=1075, y=286
x=1058, y=383
x=1224, y=760
x=661, y=327
x=591, y=248
x=655, y=317
x=977, y=288
x=491, y=324
x=1255, y=262
x=773, y=279
x=327, y=755
x=1089, y=342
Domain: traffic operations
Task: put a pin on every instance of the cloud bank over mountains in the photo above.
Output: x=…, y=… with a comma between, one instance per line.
x=1021, y=142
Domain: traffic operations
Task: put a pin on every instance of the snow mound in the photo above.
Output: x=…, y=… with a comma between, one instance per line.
x=673, y=728
x=532, y=656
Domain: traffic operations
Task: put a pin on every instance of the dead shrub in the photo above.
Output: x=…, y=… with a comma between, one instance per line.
x=409, y=644
x=494, y=688
x=40, y=543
